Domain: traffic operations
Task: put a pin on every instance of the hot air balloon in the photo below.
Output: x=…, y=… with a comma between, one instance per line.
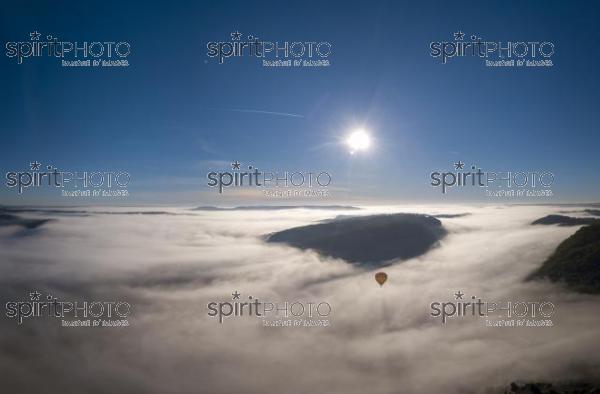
x=381, y=277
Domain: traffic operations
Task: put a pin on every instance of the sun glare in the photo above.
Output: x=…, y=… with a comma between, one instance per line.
x=358, y=140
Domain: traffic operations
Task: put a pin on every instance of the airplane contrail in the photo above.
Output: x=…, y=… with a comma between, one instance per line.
x=256, y=111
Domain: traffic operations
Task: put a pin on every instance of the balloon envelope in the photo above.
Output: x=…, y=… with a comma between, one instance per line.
x=381, y=277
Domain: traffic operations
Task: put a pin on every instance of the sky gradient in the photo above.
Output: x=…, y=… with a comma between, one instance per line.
x=174, y=114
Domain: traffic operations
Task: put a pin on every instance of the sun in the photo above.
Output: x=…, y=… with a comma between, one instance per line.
x=358, y=140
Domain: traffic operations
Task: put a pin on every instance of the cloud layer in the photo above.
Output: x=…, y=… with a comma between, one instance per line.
x=381, y=339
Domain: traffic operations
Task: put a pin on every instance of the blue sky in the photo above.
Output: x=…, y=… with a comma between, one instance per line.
x=169, y=117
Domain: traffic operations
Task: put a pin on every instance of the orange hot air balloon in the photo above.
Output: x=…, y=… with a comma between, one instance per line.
x=381, y=277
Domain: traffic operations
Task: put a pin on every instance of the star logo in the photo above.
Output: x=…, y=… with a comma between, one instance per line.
x=459, y=295
x=35, y=36
x=459, y=36
x=235, y=165
x=236, y=35
x=236, y=295
x=459, y=165
x=35, y=296
x=35, y=165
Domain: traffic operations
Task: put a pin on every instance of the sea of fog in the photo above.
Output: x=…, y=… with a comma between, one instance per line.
x=169, y=263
